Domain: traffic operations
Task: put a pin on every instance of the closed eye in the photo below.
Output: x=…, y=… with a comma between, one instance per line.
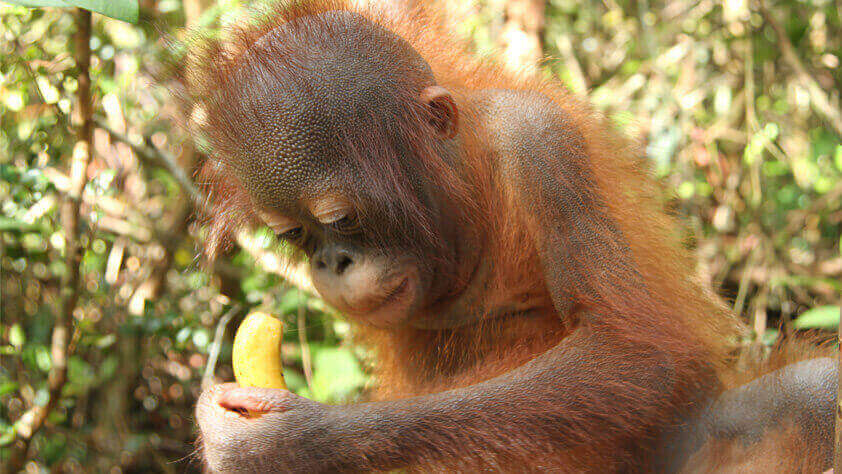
x=345, y=224
x=333, y=216
x=292, y=234
x=282, y=226
x=341, y=219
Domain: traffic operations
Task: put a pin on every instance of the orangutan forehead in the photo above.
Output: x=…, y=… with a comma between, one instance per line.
x=302, y=101
x=286, y=146
x=279, y=176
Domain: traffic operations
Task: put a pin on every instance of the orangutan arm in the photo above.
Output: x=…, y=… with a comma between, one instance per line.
x=593, y=392
x=597, y=395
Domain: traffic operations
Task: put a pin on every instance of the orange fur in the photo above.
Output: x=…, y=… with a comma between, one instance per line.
x=621, y=175
x=646, y=287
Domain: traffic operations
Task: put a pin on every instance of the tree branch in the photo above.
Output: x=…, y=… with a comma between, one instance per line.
x=295, y=275
x=34, y=418
x=160, y=159
x=213, y=354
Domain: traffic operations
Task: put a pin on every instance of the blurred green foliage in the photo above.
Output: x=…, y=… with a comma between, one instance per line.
x=750, y=166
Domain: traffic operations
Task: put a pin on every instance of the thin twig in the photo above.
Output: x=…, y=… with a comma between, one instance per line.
x=159, y=158
x=742, y=291
x=268, y=260
x=760, y=317
x=62, y=117
x=213, y=354
x=2, y=253
x=755, y=194
x=577, y=74
x=306, y=360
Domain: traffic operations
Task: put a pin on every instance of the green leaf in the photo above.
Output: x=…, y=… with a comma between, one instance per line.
x=291, y=301
x=80, y=377
x=821, y=317
x=7, y=436
x=16, y=336
x=108, y=368
x=759, y=141
x=42, y=358
x=7, y=387
x=295, y=381
x=11, y=224
x=126, y=10
x=837, y=157
x=336, y=374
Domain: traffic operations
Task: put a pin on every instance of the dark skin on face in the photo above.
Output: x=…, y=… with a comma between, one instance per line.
x=382, y=286
x=501, y=248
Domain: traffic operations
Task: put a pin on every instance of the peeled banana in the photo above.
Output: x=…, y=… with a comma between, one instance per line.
x=257, y=352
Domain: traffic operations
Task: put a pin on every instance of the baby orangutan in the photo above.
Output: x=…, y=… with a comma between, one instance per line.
x=501, y=248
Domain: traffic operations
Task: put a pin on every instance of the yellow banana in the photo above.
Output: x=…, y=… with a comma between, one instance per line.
x=257, y=352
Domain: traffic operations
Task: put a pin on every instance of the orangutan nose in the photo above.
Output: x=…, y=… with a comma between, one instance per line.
x=333, y=258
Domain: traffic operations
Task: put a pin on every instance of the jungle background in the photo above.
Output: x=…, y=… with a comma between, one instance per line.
x=110, y=322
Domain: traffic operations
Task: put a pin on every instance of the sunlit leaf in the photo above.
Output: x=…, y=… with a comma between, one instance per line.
x=822, y=317
x=42, y=358
x=38, y=3
x=201, y=338
x=16, y=336
x=759, y=141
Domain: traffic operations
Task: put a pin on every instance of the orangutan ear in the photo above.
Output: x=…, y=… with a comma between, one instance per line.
x=444, y=116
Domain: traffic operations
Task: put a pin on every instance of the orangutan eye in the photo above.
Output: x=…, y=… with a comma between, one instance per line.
x=290, y=231
x=333, y=215
x=339, y=216
x=347, y=223
x=331, y=209
x=283, y=227
x=292, y=234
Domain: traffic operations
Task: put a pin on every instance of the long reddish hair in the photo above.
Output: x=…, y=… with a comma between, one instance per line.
x=626, y=257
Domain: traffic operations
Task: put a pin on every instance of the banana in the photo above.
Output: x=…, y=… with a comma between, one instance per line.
x=257, y=352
